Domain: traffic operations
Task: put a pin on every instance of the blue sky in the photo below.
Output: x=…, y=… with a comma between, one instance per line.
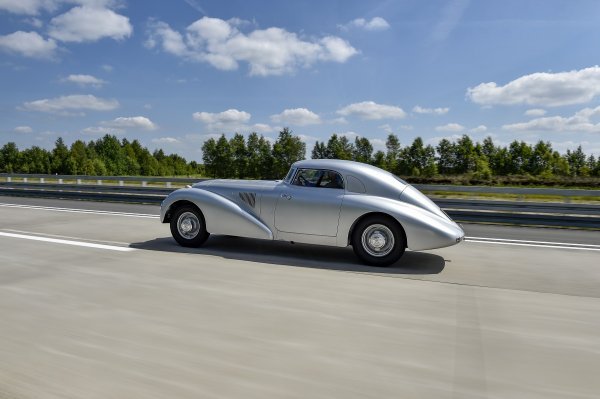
x=174, y=73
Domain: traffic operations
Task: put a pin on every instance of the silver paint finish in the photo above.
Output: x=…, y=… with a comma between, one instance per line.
x=317, y=215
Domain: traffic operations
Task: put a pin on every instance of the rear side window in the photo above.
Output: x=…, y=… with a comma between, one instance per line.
x=318, y=178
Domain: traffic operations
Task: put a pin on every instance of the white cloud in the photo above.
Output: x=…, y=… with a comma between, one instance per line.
x=84, y=80
x=229, y=116
x=35, y=22
x=272, y=51
x=28, y=7
x=76, y=102
x=450, y=127
x=23, y=129
x=386, y=128
x=166, y=140
x=372, y=111
x=89, y=24
x=28, y=44
x=230, y=120
x=262, y=128
x=541, y=89
x=437, y=111
x=135, y=122
x=581, y=122
x=376, y=23
x=297, y=117
x=107, y=67
x=479, y=129
x=535, y=112
x=101, y=130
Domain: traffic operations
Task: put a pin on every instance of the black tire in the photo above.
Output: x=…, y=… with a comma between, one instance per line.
x=197, y=234
x=378, y=227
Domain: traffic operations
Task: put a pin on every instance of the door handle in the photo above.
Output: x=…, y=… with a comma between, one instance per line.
x=286, y=196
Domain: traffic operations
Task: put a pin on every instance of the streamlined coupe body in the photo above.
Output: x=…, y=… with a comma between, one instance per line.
x=320, y=201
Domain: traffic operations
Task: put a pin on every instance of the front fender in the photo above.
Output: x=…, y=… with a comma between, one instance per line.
x=424, y=229
x=221, y=215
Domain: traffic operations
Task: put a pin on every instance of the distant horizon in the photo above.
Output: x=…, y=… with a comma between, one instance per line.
x=174, y=74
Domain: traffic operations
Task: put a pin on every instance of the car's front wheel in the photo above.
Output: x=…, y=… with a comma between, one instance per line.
x=188, y=227
x=378, y=241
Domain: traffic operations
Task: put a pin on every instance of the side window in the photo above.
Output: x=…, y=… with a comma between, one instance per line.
x=318, y=178
x=331, y=179
x=307, y=177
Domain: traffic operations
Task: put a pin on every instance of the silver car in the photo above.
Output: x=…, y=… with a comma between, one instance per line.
x=321, y=201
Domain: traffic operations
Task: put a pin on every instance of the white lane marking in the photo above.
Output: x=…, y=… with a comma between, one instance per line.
x=533, y=242
x=67, y=242
x=74, y=210
x=530, y=245
x=66, y=237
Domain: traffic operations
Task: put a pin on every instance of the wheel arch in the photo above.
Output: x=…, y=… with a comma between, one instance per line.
x=374, y=214
x=178, y=204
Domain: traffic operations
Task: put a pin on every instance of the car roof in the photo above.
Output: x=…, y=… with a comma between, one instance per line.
x=340, y=165
x=365, y=172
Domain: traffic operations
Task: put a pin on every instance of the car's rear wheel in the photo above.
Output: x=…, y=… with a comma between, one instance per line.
x=188, y=227
x=378, y=241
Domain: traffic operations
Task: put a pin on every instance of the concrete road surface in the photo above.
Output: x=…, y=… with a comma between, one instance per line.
x=102, y=303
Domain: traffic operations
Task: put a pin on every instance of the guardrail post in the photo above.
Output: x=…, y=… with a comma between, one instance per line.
x=42, y=180
x=168, y=184
x=24, y=180
x=144, y=183
x=8, y=179
x=99, y=182
x=121, y=183
x=60, y=181
x=78, y=181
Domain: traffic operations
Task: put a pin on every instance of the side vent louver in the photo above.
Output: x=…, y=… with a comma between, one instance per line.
x=248, y=198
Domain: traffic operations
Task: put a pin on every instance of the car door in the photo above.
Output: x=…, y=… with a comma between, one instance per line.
x=310, y=203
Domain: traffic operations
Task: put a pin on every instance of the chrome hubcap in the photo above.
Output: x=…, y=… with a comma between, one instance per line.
x=188, y=225
x=378, y=240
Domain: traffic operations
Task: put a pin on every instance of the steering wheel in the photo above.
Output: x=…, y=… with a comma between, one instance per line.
x=302, y=180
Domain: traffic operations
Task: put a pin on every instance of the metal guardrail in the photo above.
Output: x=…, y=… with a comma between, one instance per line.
x=98, y=180
x=181, y=181
x=560, y=192
x=94, y=188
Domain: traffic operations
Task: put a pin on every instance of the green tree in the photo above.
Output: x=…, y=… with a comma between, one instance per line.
x=209, y=156
x=466, y=155
x=10, y=158
x=339, y=147
x=576, y=160
x=363, y=150
x=223, y=158
x=253, y=168
x=266, y=159
x=319, y=151
x=60, y=157
x=392, y=145
x=239, y=153
x=287, y=150
x=446, y=156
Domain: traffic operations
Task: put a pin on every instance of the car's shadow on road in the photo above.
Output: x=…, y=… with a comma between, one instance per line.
x=300, y=255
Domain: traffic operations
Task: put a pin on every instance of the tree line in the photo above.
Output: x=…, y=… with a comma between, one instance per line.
x=254, y=157
x=107, y=156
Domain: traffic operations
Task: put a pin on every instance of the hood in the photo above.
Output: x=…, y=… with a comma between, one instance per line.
x=253, y=185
